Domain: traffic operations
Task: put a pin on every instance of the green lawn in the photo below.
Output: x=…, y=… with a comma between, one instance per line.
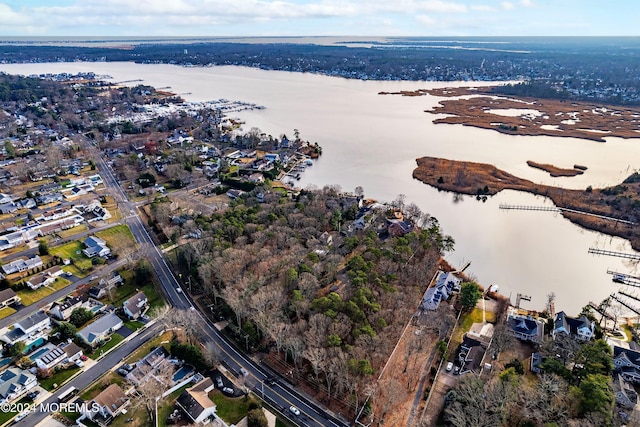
x=75, y=271
x=124, y=292
x=71, y=231
x=230, y=409
x=146, y=348
x=117, y=237
x=73, y=251
x=134, y=325
x=58, y=378
x=115, y=340
x=6, y=311
x=104, y=382
x=168, y=404
x=29, y=296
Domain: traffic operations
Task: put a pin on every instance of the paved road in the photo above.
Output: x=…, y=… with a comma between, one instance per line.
x=279, y=395
x=90, y=375
x=26, y=311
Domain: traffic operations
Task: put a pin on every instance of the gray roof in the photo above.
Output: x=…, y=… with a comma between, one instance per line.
x=100, y=327
x=7, y=294
x=13, y=379
x=32, y=320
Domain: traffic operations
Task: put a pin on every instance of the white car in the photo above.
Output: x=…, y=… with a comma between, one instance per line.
x=295, y=411
x=21, y=416
x=179, y=289
x=79, y=363
x=449, y=366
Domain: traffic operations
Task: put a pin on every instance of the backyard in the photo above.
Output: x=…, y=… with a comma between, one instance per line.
x=73, y=251
x=29, y=296
x=56, y=380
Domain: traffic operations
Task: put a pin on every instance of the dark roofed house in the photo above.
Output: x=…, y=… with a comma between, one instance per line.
x=471, y=355
x=96, y=246
x=626, y=395
x=446, y=284
x=7, y=297
x=62, y=310
x=525, y=328
x=627, y=363
x=135, y=306
x=195, y=402
x=579, y=328
x=111, y=402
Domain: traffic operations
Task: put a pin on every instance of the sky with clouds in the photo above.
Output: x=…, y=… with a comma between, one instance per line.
x=26, y=18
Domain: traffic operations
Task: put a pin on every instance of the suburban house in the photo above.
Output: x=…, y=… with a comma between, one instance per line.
x=525, y=328
x=39, y=280
x=99, y=330
x=62, y=310
x=20, y=265
x=627, y=363
x=399, y=228
x=28, y=329
x=135, y=306
x=51, y=358
x=580, y=328
x=446, y=284
x=471, y=355
x=107, y=405
x=103, y=286
x=626, y=395
x=14, y=383
x=95, y=246
x=72, y=351
x=145, y=368
x=7, y=297
x=195, y=402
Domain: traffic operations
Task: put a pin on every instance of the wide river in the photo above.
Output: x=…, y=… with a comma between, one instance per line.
x=372, y=141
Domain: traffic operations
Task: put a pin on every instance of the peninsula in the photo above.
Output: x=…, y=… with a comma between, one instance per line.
x=483, y=108
x=620, y=203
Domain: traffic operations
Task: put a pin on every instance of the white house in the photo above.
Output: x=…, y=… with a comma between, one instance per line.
x=195, y=402
x=39, y=280
x=28, y=329
x=51, y=358
x=111, y=402
x=99, y=330
x=62, y=310
x=580, y=328
x=7, y=297
x=14, y=383
x=135, y=306
x=22, y=264
x=95, y=246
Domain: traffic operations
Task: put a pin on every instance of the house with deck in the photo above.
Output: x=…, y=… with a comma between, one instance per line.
x=28, y=330
x=445, y=284
x=525, y=328
x=580, y=328
x=15, y=383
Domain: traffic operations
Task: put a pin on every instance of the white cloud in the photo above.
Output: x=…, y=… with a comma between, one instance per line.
x=526, y=3
x=507, y=5
x=425, y=20
x=482, y=8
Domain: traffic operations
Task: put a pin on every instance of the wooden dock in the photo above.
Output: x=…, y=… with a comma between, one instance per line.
x=626, y=255
x=624, y=303
x=561, y=210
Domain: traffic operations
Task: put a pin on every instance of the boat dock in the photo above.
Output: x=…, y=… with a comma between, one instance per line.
x=624, y=303
x=561, y=210
x=626, y=255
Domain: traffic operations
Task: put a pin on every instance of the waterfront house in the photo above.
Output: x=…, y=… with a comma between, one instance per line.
x=445, y=284
x=579, y=328
x=98, y=331
x=195, y=402
x=7, y=297
x=626, y=395
x=627, y=363
x=471, y=354
x=525, y=328
x=14, y=383
x=135, y=306
x=96, y=246
x=107, y=405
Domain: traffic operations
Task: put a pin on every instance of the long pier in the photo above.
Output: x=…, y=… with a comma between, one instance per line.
x=561, y=210
x=626, y=255
x=621, y=301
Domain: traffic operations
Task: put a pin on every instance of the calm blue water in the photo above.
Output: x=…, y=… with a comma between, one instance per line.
x=181, y=373
x=37, y=343
x=5, y=361
x=38, y=353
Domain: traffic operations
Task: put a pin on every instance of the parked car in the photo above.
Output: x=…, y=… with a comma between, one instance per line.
x=449, y=366
x=295, y=411
x=219, y=382
x=79, y=363
x=227, y=390
x=456, y=371
x=83, y=357
x=33, y=394
x=21, y=416
x=122, y=372
x=244, y=372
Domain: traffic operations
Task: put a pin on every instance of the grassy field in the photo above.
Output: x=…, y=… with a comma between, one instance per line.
x=58, y=378
x=75, y=270
x=134, y=325
x=117, y=237
x=73, y=251
x=71, y=231
x=146, y=348
x=6, y=311
x=29, y=296
x=114, y=341
x=230, y=409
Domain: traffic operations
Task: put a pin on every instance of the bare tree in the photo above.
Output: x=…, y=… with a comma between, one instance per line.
x=155, y=381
